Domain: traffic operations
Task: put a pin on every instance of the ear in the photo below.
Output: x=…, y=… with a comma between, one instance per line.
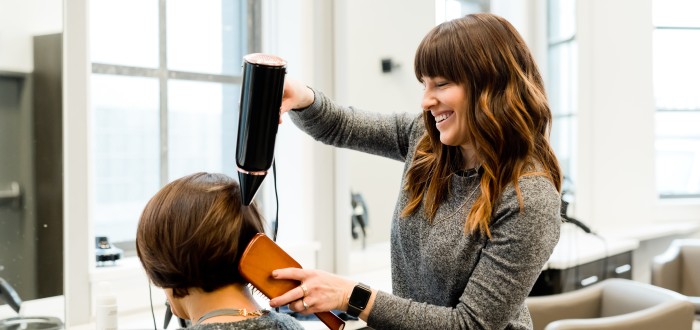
x=175, y=304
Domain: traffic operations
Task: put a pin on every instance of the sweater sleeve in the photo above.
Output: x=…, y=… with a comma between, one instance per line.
x=386, y=135
x=507, y=268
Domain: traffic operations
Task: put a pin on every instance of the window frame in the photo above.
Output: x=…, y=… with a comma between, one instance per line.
x=658, y=110
x=252, y=16
x=571, y=114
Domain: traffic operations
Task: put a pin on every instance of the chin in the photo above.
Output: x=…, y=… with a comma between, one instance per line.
x=447, y=141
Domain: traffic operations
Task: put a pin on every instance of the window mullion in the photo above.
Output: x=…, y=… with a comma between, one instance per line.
x=163, y=82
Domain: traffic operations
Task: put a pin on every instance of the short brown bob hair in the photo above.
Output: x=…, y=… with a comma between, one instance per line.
x=193, y=231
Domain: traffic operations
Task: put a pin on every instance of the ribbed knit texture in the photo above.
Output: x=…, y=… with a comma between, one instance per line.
x=271, y=321
x=443, y=278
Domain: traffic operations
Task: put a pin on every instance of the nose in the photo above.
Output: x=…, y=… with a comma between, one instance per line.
x=429, y=100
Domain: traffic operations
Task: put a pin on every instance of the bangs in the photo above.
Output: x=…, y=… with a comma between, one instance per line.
x=435, y=55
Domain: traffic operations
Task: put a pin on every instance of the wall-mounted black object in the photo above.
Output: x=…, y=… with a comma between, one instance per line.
x=574, y=221
x=359, y=218
x=261, y=97
x=9, y=295
x=389, y=65
x=47, y=98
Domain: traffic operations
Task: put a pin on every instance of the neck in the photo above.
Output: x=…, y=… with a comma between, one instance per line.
x=469, y=154
x=235, y=296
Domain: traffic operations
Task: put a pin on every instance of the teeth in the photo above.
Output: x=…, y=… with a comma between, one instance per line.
x=442, y=117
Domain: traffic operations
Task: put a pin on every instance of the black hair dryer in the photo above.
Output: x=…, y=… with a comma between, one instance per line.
x=261, y=97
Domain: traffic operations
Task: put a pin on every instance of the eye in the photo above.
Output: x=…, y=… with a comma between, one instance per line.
x=442, y=83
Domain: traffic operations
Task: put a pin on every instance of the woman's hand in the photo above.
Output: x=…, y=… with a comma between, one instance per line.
x=296, y=95
x=324, y=291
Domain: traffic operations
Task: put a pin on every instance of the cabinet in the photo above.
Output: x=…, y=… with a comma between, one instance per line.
x=553, y=280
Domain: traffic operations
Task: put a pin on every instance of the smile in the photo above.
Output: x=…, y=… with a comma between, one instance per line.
x=442, y=117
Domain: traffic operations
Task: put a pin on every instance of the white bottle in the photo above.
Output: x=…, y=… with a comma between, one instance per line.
x=105, y=307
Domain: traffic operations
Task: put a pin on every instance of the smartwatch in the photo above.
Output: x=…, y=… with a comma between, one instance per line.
x=358, y=299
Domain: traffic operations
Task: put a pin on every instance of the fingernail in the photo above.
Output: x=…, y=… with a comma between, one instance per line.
x=274, y=274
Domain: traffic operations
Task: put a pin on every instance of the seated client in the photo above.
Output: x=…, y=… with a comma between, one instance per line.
x=190, y=238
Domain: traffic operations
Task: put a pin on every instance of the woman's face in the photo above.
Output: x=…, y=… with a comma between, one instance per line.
x=447, y=102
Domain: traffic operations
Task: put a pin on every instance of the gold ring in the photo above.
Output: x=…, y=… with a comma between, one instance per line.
x=303, y=288
x=304, y=303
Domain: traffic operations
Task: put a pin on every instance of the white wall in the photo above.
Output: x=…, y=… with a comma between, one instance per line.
x=20, y=20
x=616, y=133
x=78, y=259
x=336, y=47
x=300, y=31
x=366, y=32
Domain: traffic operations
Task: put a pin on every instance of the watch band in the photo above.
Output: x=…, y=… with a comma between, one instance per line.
x=359, y=299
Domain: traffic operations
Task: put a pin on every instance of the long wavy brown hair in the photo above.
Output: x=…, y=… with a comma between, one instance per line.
x=508, y=116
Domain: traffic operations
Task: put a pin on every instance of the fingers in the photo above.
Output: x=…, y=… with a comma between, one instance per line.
x=303, y=306
x=291, y=295
x=296, y=95
x=290, y=274
x=304, y=289
x=316, y=290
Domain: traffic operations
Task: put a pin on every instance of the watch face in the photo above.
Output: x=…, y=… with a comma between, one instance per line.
x=360, y=296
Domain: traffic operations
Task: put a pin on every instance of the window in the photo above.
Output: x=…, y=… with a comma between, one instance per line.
x=561, y=84
x=676, y=65
x=164, y=89
x=446, y=10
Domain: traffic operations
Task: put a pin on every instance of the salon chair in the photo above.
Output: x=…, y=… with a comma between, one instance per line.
x=678, y=269
x=613, y=304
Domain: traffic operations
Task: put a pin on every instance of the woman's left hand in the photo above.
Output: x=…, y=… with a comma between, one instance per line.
x=324, y=291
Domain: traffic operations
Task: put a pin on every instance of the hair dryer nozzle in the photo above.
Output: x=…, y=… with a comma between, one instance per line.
x=250, y=183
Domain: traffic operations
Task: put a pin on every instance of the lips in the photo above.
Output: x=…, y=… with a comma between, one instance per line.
x=443, y=116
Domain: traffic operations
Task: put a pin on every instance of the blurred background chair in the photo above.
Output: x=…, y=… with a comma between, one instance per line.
x=678, y=269
x=613, y=304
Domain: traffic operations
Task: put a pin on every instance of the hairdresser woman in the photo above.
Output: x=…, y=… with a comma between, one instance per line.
x=478, y=213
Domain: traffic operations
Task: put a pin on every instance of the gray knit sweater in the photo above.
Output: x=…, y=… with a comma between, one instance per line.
x=443, y=278
x=271, y=320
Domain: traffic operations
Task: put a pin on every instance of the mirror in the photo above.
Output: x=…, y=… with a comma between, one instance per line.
x=31, y=210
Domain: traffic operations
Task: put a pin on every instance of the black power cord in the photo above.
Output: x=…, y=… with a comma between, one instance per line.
x=277, y=202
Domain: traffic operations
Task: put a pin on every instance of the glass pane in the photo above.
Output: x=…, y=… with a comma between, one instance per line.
x=563, y=140
x=562, y=19
x=678, y=153
x=561, y=85
x=124, y=32
x=677, y=69
x=125, y=152
x=206, y=36
x=684, y=13
x=202, y=127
